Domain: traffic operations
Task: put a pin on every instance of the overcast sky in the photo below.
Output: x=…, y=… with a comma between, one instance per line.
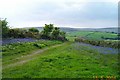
x=61, y=13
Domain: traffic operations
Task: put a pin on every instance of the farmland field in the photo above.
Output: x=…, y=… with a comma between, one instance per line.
x=91, y=35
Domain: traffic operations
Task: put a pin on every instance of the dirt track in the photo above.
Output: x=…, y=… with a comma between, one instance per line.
x=27, y=58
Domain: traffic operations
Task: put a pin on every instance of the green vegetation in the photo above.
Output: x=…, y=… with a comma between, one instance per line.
x=102, y=35
x=23, y=33
x=17, y=32
x=33, y=30
x=49, y=32
x=4, y=27
x=53, y=33
x=66, y=61
x=12, y=51
x=55, y=57
x=91, y=35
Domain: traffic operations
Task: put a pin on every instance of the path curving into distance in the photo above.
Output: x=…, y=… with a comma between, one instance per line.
x=29, y=57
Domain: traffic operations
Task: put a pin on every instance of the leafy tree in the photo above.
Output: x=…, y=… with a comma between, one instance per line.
x=0, y=29
x=4, y=27
x=47, y=31
x=48, y=28
x=55, y=33
x=51, y=32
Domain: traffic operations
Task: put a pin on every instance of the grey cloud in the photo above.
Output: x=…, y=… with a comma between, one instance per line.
x=92, y=14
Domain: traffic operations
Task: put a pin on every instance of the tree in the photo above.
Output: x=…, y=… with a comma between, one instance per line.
x=48, y=28
x=4, y=27
x=0, y=28
x=6, y=32
x=55, y=33
x=51, y=32
x=47, y=31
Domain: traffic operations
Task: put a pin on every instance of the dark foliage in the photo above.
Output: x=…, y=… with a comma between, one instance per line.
x=49, y=32
x=4, y=27
x=52, y=33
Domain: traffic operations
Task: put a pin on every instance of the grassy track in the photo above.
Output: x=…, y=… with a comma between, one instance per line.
x=11, y=53
x=26, y=58
x=66, y=61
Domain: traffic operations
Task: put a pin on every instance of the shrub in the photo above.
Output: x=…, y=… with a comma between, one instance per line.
x=39, y=45
x=52, y=33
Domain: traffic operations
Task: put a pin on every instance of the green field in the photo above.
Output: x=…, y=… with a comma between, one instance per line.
x=90, y=35
x=63, y=61
x=13, y=51
x=56, y=59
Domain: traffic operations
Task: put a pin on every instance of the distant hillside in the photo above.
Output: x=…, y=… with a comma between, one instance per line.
x=111, y=30
x=39, y=28
x=61, y=28
x=66, y=29
x=114, y=30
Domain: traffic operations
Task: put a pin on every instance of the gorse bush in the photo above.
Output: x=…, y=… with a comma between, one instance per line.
x=23, y=33
x=49, y=32
x=53, y=33
x=6, y=32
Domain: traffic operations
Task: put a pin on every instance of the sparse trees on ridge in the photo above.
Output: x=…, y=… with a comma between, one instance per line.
x=49, y=32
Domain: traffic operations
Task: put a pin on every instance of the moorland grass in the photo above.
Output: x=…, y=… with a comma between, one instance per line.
x=13, y=51
x=66, y=61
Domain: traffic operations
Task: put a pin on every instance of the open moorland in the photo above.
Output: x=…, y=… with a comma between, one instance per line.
x=55, y=53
